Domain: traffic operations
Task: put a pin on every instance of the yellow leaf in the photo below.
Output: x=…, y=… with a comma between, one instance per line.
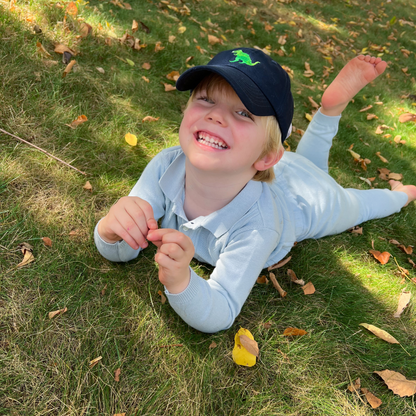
x=240, y=354
x=308, y=116
x=181, y=29
x=355, y=155
x=95, y=361
x=131, y=139
x=380, y=333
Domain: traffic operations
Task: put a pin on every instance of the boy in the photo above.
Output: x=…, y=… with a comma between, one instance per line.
x=223, y=196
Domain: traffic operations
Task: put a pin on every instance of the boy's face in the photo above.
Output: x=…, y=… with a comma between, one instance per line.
x=219, y=135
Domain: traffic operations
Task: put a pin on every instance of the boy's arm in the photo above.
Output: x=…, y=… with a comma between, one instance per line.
x=212, y=305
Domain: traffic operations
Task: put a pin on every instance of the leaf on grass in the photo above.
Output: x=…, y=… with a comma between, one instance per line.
x=42, y=51
x=162, y=297
x=88, y=186
x=95, y=361
x=60, y=48
x=71, y=9
x=282, y=292
x=68, y=68
x=149, y=119
x=294, y=332
x=85, y=29
x=382, y=158
x=404, y=118
x=383, y=257
x=171, y=38
x=47, y=241
x=145, y=79
x=395, y=176
x=383, y=173
x=119, y=414
x=212, y=40
x=56, y=313
x=355, y=155
x=372, y=400
x=130, y=62
x=117, y=374
x=131, y=139
x=173, y=76
x=103, y=290
x=146, y=66
x=212, y=345
x=371, y=116
x=262, y=280
x=398, y=383
x=356, y=230
x=79, y=120
x=280, y=263
x=355, y=387
x=181, y=29
x=28, y=256
x=308, y=289
x=404, y=300
x=313, y=102
x=168, y=87
x=159, y=47
x=134, y=26
x=241, y=355
x=366, y=108
x=407, y=250
x=294, y=278
x=101, y=70
x=380, y=333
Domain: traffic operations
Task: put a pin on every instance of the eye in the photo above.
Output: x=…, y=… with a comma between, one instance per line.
x=205, y=98
x=245, y=113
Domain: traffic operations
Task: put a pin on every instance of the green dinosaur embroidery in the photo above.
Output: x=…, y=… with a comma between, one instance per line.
x=243, y=58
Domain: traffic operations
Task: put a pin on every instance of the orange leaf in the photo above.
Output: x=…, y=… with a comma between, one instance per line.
x=292, y=332
x=47, y=241
x=383, y=258
x=262, y=280
x=79, y=120
x=71, y=9
x=150, y=118
x=68, y=68
x=173, y=76
x=146, y=66
x=308, y=289
x=117, y=374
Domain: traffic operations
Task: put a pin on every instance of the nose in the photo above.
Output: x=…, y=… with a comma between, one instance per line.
x=217, y=116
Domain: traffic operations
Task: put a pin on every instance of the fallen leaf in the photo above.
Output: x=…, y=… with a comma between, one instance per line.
x=294, y=332
x=383, y=173
x=95, y=361
x=308, y=289
x=282, y=292
x=79, y=120
x=407, y=250
x=60, y=48
x=56, y=313
x=371, y=116
x=86, y=29
x=88, y=186
x=356, y=230
x=294, y=278
x=398, y=383
x=279, y=264
x=373, y=400
x=159, y=47
x=173, y=76
x=162, y=297
x=212, y=345
x=262, y=280
x=68, y=68
x=117, y=374
x=71, y=9
x=404, y=300
x=134, y=26
x=355, y=155
x=131, y=139
x=380, y=333
x=168, y=87
x=103, y=290
x=181, y=29
x=212, y=40
x=355, y=387
x=404, y=118
x=267, y=325
x=74, y=233
x=395, y=176
x=250, y=345
x=171, y=38
x=119, y=414
x=42, y=51
x=383, y=257
x=101, y=70
x=383, y=159
x=314, y=104
x=47, y=241
x=145, y=79
x=412, y=263
x=366, y=108
x=149, y=118
x=28, y=256
x=240, y=354
x=130, y=62
x=146, y=66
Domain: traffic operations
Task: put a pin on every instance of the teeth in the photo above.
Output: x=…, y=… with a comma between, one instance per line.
x=209, y=140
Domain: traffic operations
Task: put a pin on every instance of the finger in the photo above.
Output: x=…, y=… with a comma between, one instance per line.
x=134, y=243
x=152, y=224
x=172, y=250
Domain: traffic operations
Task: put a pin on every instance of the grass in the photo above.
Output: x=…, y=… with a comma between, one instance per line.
x=114, y=310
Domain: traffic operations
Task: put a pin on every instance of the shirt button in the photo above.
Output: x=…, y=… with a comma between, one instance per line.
x=185, y=228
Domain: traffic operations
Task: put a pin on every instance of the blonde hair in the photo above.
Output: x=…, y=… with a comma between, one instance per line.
x=215, y=82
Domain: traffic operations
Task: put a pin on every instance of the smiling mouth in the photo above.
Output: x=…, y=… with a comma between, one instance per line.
x=212, y=141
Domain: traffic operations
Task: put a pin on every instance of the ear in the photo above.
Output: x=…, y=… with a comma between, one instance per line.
x=268, y=160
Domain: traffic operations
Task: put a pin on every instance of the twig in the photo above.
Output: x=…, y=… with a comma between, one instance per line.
x=44, y=151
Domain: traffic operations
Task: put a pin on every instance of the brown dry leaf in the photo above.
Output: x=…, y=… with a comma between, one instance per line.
x=407, y=250
x=117, y=374
x=212, y=40
x=79, y=120
x=366, y=108
x=404, y=300
x=145, y=79
x=240, y=354
x=412, y=263
x=383, y=257
x=280, y=263
x=372, y=400
x=74, y=233
x=355, y=387
x=398, y=383
x=383, y=159
x=88, y=186
x=95, y=361
x=383, y=173
x=379, y=130
x=47, y=241
x=28, y=256
x=282, y=292
x=395, y=176
x=60, y=48
x=162, y=297
x=356, y=230
x=71, y=9
x=168, y=87
x=371, y=116
x=146, y=66
x=250, y=345
x=159, y=47
x=150, y=118
x=308, y=289
x=380, y=333
x=119, y=414
x=56, y=313
x=404, y=118
x=267, y=325
x=294, y=332
x=173, y=76
x=42, y=51
x=134, y=26
x=355, y=155
x=294, y=278
x=100, y=70
x=212, y=345
x=262, y=280
x=314, y=104
x=103, y=290
x=68, y=68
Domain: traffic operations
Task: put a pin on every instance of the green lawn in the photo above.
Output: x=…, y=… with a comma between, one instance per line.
x=114, y=311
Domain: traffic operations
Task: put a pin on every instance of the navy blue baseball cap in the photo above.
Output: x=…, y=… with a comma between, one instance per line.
x=262, y=84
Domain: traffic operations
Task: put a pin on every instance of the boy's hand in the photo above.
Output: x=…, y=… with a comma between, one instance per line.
x=129, y=219
x=175, y=252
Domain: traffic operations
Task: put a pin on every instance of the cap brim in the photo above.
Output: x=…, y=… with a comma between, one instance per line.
x=248, y=92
